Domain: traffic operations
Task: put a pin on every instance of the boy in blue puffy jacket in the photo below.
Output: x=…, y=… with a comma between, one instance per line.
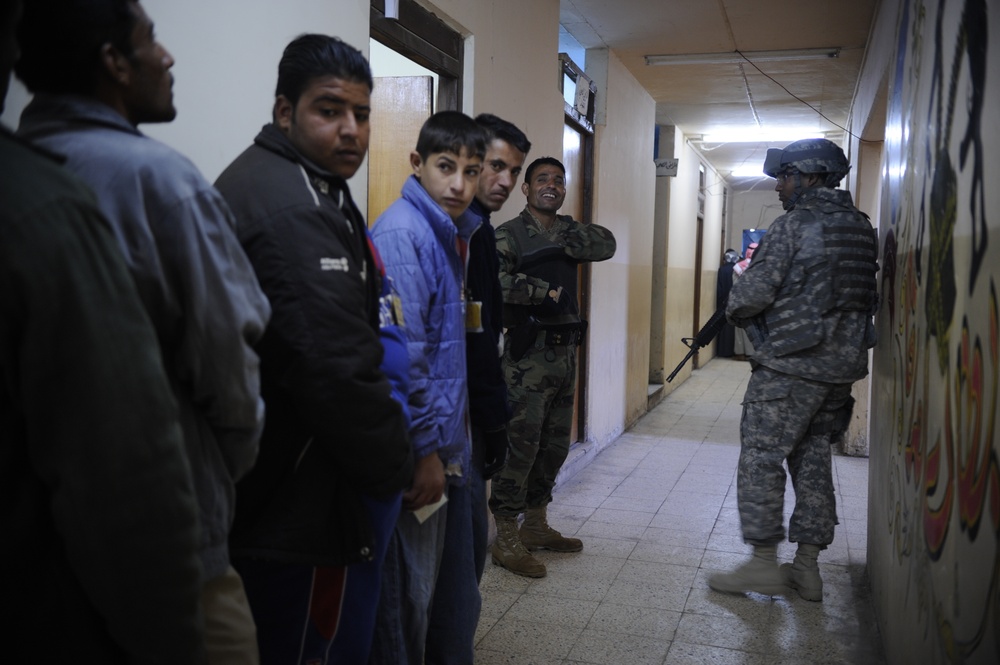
x=423, y=238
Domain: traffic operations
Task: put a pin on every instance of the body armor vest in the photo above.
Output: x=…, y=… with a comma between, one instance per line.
x=834, y=271
x=543, y=259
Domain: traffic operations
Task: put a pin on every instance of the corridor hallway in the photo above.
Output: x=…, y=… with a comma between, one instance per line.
x=657, y=514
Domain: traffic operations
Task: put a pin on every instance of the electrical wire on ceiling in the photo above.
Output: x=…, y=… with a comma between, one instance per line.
x=799, y=99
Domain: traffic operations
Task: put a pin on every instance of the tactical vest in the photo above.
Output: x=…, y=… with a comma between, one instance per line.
x=835, y=270
x=543, y=259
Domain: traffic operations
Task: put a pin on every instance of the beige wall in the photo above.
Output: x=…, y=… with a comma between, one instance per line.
x=754, y=209
x=680, y=255
x=934, y=492
x=623, y=201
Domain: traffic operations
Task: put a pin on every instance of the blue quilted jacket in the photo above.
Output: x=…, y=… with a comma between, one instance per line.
x=418, y=243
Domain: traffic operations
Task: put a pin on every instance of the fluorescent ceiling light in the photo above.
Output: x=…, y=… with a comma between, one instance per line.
x=735, y=57
x=744, y=135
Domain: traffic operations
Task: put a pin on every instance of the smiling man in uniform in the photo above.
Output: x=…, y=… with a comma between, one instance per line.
x=539, y=252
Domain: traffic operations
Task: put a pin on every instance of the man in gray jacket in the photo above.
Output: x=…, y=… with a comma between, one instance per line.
x=97, y=72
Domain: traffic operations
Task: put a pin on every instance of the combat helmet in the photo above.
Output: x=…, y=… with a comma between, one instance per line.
x=807, y=156
x=811, y=156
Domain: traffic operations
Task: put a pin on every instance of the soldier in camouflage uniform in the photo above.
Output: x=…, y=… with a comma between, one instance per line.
x=806, y=301
x=539, y=254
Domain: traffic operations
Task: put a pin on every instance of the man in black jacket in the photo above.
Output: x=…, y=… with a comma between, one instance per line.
x=314, y=516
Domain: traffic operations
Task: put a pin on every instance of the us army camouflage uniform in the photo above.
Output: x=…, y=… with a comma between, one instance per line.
x=541, y=385
x=806, y=302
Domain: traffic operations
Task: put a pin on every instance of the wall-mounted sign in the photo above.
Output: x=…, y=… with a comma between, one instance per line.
x=665, y=167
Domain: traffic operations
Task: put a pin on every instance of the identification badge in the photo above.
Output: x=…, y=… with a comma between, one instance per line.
x=397, y=309
x=473, y=316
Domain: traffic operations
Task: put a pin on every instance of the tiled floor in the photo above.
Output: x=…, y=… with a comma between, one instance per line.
x=657, y=514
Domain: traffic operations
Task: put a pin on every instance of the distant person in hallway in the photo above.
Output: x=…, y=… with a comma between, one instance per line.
x=539, y=252
x=452, y=625
x=98, y=72
x=424, y=239
x=742, y=347
x=723, y=284
x=807, y=301
x=315, y=515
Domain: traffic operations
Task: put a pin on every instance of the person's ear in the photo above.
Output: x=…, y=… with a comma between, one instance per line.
x=117, y=67
x=416, y=163
x=524, y=188
x=284, y=112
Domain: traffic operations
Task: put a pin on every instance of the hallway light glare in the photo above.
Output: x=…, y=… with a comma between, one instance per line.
x=744, y=135
x=733, y=57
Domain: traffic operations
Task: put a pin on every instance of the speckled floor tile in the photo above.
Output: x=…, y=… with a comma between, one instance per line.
x=658, y=514
x=631, y=620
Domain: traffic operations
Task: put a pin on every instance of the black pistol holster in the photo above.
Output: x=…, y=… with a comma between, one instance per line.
x=522, y=337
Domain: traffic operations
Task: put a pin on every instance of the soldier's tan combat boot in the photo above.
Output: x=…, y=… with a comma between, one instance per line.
x=803, y=573
x=509, y=552
x=760, y=574
x=536, y=534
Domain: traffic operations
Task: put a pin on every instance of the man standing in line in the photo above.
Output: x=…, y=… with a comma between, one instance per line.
x=100, y=563
x=806, y=301
x=451, y=635
x=539, y=254
x=98, y=72
x=315, y=514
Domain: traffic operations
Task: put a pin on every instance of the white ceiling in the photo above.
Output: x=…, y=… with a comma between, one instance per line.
x=704, y=99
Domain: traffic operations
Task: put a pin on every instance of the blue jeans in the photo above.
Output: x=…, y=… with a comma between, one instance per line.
x=408, y=577
x=455, y=609
x=480, y=511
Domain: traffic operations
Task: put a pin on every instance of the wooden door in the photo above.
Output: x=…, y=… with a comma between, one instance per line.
x=573, y=160
x=400, y=105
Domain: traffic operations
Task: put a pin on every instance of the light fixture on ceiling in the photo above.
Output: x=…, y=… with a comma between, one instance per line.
x=731, y=57
x=744, y=135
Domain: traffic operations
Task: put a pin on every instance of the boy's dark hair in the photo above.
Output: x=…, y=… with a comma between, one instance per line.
x=311, y=56
x=542, y=161
x=451, y=131
x=61, y=42
x=498, y=128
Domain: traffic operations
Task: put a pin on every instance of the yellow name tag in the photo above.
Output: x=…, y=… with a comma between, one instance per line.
x=397, y=310
x=473, y=316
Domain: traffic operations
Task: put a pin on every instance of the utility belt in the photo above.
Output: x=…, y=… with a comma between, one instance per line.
x=531, y=333
x=563, y=334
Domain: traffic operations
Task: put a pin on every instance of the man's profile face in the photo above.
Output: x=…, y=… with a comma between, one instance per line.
x=784, y=184
x=450, y=180
x=329, y=124
x=501, y=168
x=148, y=92
x=546, y=190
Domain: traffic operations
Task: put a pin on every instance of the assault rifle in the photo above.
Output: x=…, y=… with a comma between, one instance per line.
x=702, y=339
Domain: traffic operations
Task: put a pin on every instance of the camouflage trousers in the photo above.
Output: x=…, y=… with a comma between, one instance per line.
x=540, y=387
x=789, y=418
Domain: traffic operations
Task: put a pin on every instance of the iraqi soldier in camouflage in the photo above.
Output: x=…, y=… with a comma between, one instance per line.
x=806, y=302
x=539, y=253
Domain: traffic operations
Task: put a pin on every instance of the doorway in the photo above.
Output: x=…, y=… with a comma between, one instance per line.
x=417, y=66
